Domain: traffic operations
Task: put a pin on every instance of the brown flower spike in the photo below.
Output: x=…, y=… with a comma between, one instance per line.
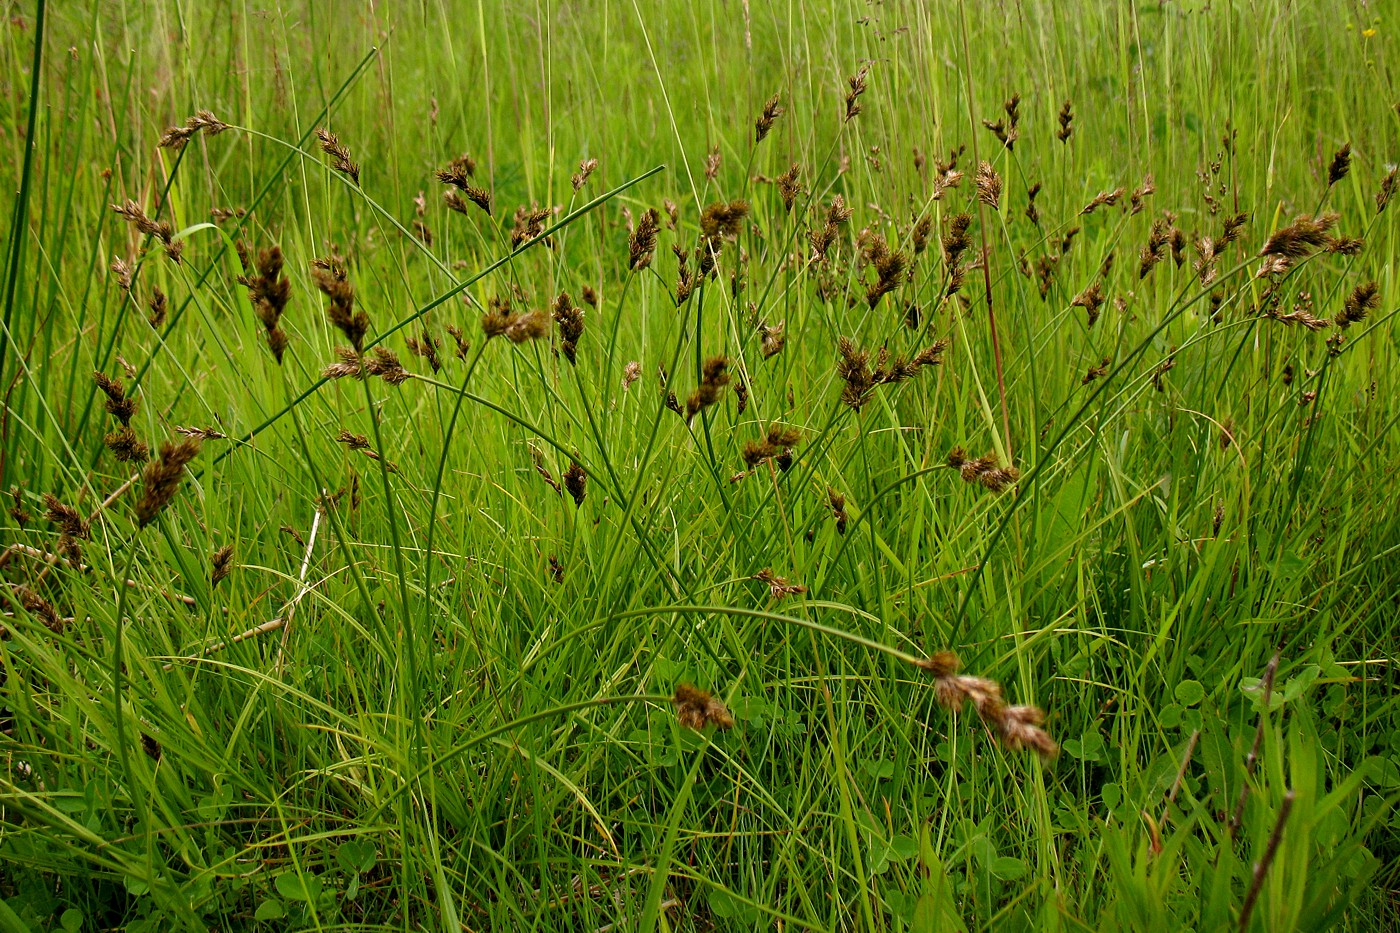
x=161, y=479
x=696, y=709
x=1017, y=727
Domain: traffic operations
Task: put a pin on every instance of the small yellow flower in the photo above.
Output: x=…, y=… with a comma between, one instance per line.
x=1368, y=33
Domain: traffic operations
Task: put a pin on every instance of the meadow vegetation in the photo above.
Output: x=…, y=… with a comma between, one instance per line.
x=743, y=465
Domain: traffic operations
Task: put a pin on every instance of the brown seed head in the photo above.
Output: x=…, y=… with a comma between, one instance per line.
x=1363, y=299
x=268, y=292
x=39, y=607
x=789, y=186
x=586, y=168
x=1300, y=238
x=331, y=279
x=982, y=470
x=122, y=270
x=723, y=220
x=696, y=709
x=126, y=447
x=988, y=186
x=332, y=146
x=161, y=479
x=118, y=405
x=778, y=587
x=1389, y=184
x=221, y=565
x=771, y=112
x=1091, y=299
x=838, y=509
x=69, y=520
x=158, y=306
x=384, y=363
x=176, y=136
x=1341, y=165
x=713, y=379
x=569, y=317
x=1066, y=122
x=576, y=482
x=641, y=245
x=1103, y=198
x=855, y=88
x=425, y=345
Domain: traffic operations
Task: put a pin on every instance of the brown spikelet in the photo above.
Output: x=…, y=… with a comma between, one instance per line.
x=118, y=405
x=161, y=479
x=982, y=470
x=458, y=172
x=956, y=240
x=221, y=565
x=576, y=482
x=39, y=607
x=125, y=446
x=176, y=136
x=1016, y=727
x=586, y=167
x=630, y=374
x=385, y=364
x=268, y=292
x=855, y=85
x=1155, y=249
x=203, y=434
x=778, y=587
x=1091, y=299
x=1345, y=245
x=988, y=186
x=1096, y=372
x=459, y=339
x=1066, y=118
x=722, y=220
x=1006, y=129
x=1389, y=184
x=838, y=509
x=331, y=279
x=771, y=338
x=713, y=379
x=1300, y=238
x=122, y=270
x=790, y=186
x=527, y=224
x=132, y=212
x=569, y=317
x=333, y=147
x=778, y=441
x=158, y=306
x=1032, y=212
x=17, y=511
x=641, y=246
x=425, y=345
x=1102, y=199
x=822, y=238
x=69, y=520
x=478, y=196
x=1138, y=199
x=772, y=110
x=696, y=709
x=1341, y=165
x=860, y=379
x=1363, y=299
x=888, y=265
